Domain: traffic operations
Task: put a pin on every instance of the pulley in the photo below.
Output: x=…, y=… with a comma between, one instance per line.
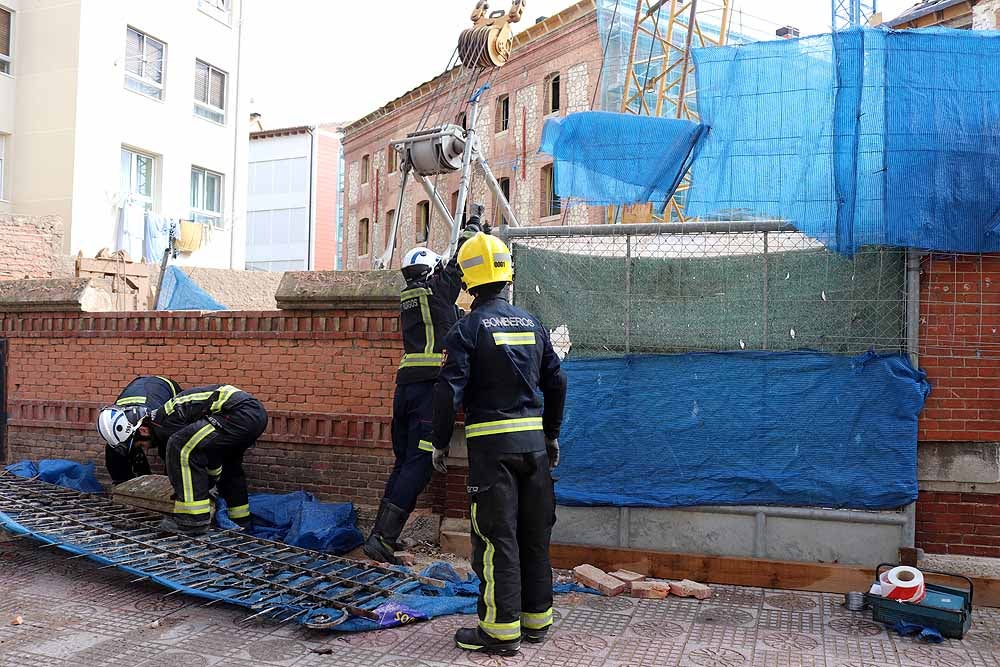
x=489, y=41
x=436, y=151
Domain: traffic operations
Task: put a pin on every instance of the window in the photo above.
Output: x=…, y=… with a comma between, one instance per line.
x=550, y=202
x=3, y=162
x=144, y=58
x=460, y=120
x=390, y=158
x=209, y=92
x=552, y=86
x=423, y=221
x=497, y=210
x=6, y=19
x=390, y=218
x=218, y=9
x=206, y=197
x=454, y=203
x=362, y=237
x=365, y=167
x=503, y=114
x=137, y=178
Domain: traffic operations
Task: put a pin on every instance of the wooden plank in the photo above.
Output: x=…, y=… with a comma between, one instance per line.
x=755, y=572
x=110, y=266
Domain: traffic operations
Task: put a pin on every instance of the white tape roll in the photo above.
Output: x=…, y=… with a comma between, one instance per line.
x=905, y=584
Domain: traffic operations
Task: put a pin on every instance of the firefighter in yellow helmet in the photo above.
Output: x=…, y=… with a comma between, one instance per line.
x=499, y=365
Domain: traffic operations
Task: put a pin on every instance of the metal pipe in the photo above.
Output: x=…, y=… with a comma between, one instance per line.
x=848, y=516
x=435, y=197
x=654, y=228
x=464, y=181
x=913, y=258
x=494, y=186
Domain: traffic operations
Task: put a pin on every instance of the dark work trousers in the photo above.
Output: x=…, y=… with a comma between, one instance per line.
x=513, y=511
x=412, y=408
x=123, y=467
x=210, y=452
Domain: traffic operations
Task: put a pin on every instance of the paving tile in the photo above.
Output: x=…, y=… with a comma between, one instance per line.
x=651, y=652
x=595, y=622
x=768, y=658
x=696, y=655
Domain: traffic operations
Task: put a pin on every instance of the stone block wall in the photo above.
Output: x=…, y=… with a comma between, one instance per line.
x=32, y=247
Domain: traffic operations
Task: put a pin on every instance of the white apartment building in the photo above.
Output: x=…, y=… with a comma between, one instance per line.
x=113, y=108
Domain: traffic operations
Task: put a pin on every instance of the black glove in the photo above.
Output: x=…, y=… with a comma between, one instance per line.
x=439, y=459
x=552, y=447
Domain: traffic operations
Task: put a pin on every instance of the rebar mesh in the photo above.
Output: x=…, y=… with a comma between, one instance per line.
x=655, y=291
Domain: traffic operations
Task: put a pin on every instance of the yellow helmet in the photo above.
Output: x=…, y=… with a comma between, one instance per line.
x=484, y=259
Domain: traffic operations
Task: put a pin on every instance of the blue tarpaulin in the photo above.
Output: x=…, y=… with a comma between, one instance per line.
x=857, y=138
x=68, y=474
x=616, y=158
x=179, y=292
x=300, y=520
x=742, y=428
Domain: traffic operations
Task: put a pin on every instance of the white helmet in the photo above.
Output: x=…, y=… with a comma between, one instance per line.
x=419, y=263
x=118, y=425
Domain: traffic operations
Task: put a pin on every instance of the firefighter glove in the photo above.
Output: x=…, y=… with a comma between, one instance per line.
x=552, y=447
x=439, y=459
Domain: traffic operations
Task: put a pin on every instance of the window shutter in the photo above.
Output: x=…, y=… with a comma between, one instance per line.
x=153, y=57
x=201, y=82
x=217, y=96
x=133, y=52
x=4, y=33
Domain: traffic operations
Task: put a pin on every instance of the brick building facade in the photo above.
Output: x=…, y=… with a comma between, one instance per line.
x=31, y=247
x=553, y=70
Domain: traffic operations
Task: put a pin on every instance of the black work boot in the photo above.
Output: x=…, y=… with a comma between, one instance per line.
x=381, y=544
x=245, y=523
x=181, y=523
x=474, y=639
x=534, y=636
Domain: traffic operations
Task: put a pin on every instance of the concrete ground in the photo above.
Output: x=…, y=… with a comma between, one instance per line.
x=76, y=614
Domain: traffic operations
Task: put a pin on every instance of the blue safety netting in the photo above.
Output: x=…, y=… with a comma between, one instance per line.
x=860, y=137
x=300, y=520
x=68, y=474
x=616, y=158
x=179, y=292
x=742, y=428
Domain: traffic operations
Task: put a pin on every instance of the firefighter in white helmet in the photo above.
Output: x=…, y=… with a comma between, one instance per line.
x=121, y=426
x=427, y=311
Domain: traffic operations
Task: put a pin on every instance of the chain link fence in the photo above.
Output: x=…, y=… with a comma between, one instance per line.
x=639, y=289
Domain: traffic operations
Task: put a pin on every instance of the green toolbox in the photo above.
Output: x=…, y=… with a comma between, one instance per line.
x=945, y=608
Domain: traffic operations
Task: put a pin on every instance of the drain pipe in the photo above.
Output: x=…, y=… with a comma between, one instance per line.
x=913, y=258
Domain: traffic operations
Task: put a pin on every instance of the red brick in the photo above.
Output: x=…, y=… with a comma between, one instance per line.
x=650, y=590
x=599, y=580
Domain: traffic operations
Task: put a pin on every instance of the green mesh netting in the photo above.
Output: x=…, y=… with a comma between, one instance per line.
x=794, y=299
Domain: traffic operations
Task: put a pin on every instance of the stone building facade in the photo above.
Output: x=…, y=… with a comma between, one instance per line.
x=554, y=70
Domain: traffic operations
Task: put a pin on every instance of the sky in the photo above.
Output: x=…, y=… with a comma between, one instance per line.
x=318, y=61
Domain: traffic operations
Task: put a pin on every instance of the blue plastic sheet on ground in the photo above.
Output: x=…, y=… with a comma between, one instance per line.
x=68, y=474
x=300, y=520
x=617, y=158
x=457, y=597
x=857, y=138
x=741, y=428
x=179, y=292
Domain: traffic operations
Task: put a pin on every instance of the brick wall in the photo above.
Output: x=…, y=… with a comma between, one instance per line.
x=967, y=524
x=327, y=379
x=960, y=350
x=31, y=247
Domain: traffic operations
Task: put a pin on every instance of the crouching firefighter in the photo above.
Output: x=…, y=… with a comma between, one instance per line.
x=125, y=455
x=206, y=431
x=500, y=365
x=427, y=311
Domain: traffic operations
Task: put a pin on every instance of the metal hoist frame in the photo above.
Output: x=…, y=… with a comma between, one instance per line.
x=416, y=148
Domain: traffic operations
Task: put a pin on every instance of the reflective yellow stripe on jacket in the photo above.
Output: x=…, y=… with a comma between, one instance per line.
x=415, y=359
x=131, y=400
x=514, y=337
x=503, y=426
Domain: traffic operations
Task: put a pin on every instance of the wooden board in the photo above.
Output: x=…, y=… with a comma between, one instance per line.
x=755, y=572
